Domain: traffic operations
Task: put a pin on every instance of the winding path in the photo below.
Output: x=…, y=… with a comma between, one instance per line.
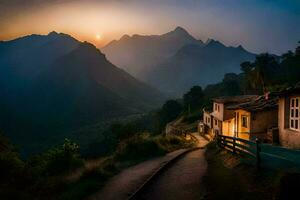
x=155, y=179
x=181, y=180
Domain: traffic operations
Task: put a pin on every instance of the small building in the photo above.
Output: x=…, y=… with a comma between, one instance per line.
x=289, y=117
x=246, y=116
x=207, y=118
x=257, y=118
x=205, y=126
x=223, y=118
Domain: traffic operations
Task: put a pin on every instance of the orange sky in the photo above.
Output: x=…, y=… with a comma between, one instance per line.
x=97, y=23
x=258, y=25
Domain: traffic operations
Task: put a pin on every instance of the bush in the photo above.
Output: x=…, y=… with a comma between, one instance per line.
x=139, y=147
x=11, y=166
x=57, y=160
x=143, y=146
x=171, y=143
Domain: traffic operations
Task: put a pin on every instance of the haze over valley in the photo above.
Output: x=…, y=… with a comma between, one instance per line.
x=149, y=99
x=175, y=61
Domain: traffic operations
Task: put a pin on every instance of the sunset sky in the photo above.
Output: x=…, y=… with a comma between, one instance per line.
x=258, y=25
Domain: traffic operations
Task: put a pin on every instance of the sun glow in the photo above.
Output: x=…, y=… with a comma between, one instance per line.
x=98, y=36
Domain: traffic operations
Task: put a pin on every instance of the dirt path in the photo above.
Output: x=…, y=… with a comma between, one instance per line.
x=128, y=181
x=183, y=180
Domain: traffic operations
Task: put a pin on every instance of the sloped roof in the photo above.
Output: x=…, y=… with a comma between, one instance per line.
x=290, y=90
x=258, y=104
x=235, y=99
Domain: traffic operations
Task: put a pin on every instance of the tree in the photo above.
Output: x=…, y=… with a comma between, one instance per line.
x=297, y=51
x=56, y=161
x=170, y=110
x=230, y=84
x=266, y=71
x=246, y=67
x=290, y=66
x=193, y=99
x=11, y=166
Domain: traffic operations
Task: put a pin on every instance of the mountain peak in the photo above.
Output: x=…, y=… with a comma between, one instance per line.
x=87, y=46
x=53, y=33
x=125, y=37
x=180, y=29
x=212, y=42
x=241, y=47
x=179, y=33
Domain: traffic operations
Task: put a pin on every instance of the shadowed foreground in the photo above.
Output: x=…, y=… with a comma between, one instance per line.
x=183, y=180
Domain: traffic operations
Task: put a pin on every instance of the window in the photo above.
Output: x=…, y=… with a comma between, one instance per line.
x=244, y=121
x=216, y=122
x=217, y=107
x=294, y=114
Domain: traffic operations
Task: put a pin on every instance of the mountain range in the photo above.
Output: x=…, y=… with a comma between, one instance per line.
x=138, y=54
x=53, y=84
x=175, y=61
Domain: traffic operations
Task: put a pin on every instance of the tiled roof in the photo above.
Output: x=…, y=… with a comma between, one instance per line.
x=290, y=90
x=259, y=104
x=235, y=99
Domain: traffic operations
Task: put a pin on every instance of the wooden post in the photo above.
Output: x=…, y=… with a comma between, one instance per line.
x=258, y=159
x=218, y=141
x=234, y=140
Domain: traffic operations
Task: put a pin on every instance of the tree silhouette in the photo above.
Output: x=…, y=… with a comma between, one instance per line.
x=193, y=99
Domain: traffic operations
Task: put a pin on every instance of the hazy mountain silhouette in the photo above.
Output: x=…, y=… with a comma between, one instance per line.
x=197, y=65
x=175, y=61
x=51, y=85
x=139, y=54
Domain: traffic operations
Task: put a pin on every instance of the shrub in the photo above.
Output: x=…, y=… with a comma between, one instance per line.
x=63, y=159
x=139, y=147
x=11, y=166
x=56, y=161
x=171, y=143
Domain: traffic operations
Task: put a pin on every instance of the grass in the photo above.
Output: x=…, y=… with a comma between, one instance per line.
x=62, y=174
x=129, y=152
x=228, y=178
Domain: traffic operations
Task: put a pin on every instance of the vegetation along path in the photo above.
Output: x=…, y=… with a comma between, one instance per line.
x=181, y=180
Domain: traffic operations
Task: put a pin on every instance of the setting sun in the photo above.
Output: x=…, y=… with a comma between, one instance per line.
x=98, y=37
x=149, y=99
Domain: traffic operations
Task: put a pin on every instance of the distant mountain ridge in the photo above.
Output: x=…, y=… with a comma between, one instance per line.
x=139, y=54
x=175, y=61
x=52, y=85
x=197, y=65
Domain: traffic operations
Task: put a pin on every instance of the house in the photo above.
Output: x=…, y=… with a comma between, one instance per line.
x=223, y=118
x=257, y=118
x=205, y=126
x=289, y=117
x=246, y=116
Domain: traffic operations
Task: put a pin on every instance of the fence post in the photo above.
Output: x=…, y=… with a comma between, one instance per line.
x=218, y=141
x=258, y=159
x=234, y=145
